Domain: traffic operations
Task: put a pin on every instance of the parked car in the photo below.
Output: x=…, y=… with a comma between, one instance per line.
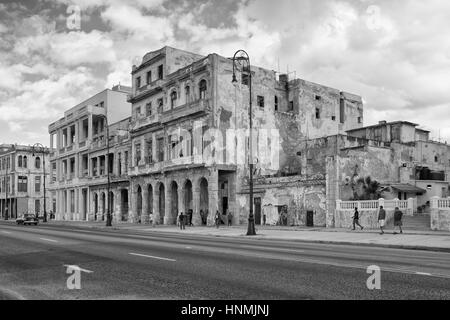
x=27, y=218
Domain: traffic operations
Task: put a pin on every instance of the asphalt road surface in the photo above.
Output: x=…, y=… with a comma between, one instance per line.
x=124, y=264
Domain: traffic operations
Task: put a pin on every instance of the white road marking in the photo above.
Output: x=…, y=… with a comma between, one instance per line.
x=7, y=232
x=188, y=247
x=153, y=257
x=50, y=240
x=424, y=273
x=78, y=268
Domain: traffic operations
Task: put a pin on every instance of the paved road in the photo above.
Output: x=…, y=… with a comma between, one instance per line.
x=124, y=264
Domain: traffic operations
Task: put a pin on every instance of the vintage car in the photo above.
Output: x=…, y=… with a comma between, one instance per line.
x=27, y=218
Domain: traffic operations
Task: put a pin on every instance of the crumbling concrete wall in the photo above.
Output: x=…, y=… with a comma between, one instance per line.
x=440, y=219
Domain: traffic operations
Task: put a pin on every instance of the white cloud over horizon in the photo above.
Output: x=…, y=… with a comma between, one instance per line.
x=398, y=63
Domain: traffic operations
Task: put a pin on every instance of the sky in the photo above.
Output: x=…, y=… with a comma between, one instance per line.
x=393, y=53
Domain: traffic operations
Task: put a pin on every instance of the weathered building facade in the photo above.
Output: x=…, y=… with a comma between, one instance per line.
x=22, y=180
x=190, y=138
x=80, y=163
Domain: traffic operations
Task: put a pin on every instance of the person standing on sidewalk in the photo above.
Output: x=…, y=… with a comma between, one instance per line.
x=182, y=220
x=398, y=219
x=356, y=220
x=230, y=218
x=217, y=219
x=381, y=218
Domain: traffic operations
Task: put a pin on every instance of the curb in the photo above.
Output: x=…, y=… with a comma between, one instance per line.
x=262, y=237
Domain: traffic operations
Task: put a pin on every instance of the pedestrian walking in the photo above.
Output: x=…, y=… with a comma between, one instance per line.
x=230, y=218
x=381, y=218
x=356, y=220
x=217, y=219
x=398, y=215
x=182, y=221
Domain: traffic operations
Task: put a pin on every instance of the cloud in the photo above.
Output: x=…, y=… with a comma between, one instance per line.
x=398, y=63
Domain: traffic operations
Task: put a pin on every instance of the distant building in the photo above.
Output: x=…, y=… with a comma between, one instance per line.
x=80, y=163
x=22, y=180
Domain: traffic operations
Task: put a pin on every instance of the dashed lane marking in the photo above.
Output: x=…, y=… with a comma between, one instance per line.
x=49, y=240
x=152, y=257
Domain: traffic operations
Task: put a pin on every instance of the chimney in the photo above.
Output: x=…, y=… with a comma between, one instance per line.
x=382, y=122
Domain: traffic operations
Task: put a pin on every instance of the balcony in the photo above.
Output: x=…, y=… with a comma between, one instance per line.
x=145, y=121
x=189, y=109
x=149, y=89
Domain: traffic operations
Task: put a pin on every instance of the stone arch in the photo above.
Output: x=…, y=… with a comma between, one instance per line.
x=161, y=190
x=96, y=205
x=204, y=200
x=111, y=204
x=150, y=198
x=202, y=88
x=188, y=195
x=174, y=200
x=124, y=206
x=103, y=203
x=138, y=203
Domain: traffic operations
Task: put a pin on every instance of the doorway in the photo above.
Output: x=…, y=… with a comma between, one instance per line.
x=310, y=218
x=257, y=211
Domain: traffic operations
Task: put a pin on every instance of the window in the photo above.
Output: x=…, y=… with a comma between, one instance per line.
x=37, y=184
x=149, y=77
x=333, y=118
x=137, y=154
x=359, y=119
x=436, y=159
x=25, y=161
x=138, y=82
x=187, y=91
x=160, y=105
x=126, y=161
x=202, y=89
x=317, y=113
x=138, y=112
x=19, y=162
x=318, y=98
x=119, y=164
x=102, y=104
x=149, y=151
x=260, y=101
x=148, y=109
x=160, y=149
x=160, y=72
x=173, y=99
x=22, y=184
x=245, y=79
x=291, y=106
x=276, y=103
x=37, y=163
x=342, y=110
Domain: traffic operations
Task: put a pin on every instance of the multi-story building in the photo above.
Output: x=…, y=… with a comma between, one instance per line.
x=22, y=180
x=81, y=162
x=190, y=139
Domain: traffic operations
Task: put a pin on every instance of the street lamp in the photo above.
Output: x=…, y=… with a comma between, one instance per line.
x=39, y=148
x=108, y=211
x=243, y=60
x=6, y=189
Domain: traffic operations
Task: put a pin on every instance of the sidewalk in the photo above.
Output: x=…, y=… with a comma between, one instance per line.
x=411, y=239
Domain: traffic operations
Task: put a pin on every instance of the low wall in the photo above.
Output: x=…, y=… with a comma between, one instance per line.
x=440, y=214
x=368, y=211
x=368, y=218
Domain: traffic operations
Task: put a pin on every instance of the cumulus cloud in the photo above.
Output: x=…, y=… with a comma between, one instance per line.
x=399, y=63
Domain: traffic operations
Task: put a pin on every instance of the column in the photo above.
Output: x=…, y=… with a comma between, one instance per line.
x=117, y=205
x=156, y=213
x=168, y=218
x=130, y=204
x=213, y=196
x=90, y=120
x=196, y=218
x=145, y=216
x=181, y=205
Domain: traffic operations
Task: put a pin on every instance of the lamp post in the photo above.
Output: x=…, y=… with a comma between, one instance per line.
x=39, y=148
x=244, y=60
x=108, y=211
